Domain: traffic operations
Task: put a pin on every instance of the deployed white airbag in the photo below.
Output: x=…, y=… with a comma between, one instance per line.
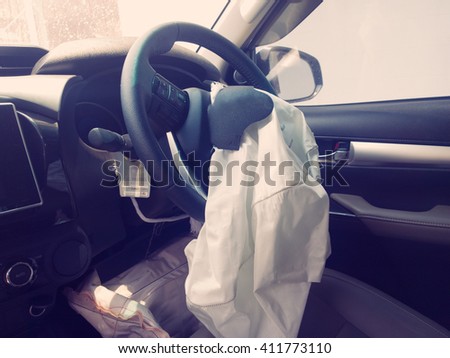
x=265, y=238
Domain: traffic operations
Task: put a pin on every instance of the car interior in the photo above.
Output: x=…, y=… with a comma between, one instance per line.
x=67, y=116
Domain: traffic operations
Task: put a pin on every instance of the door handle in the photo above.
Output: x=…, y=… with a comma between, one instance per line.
x=431, y=226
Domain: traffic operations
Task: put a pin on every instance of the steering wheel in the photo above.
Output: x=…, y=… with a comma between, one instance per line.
x=152, y=106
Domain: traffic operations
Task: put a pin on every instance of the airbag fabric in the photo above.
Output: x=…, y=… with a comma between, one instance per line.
x=265, y=238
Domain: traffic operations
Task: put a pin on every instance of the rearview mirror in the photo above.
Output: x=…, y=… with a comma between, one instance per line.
x=295, y=75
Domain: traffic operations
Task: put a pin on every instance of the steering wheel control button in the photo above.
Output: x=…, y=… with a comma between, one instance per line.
x=20, y=274
x=170, y=105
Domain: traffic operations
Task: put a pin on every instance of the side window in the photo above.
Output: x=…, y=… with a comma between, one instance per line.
x=376, y=50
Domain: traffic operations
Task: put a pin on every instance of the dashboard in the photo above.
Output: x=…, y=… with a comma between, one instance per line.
x=70, y=216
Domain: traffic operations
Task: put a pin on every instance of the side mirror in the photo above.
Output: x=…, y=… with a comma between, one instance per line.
x=295, y=75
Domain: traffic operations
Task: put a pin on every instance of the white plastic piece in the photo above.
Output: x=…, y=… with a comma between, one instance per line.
x=135, y=180
x=120, y=157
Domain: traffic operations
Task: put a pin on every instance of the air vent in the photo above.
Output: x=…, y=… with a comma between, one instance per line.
x=19, y=60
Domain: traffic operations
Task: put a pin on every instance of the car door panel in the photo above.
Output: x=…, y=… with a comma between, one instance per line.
x=390, y=201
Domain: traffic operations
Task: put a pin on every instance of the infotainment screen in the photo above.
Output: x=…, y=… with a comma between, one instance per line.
x=18, y=186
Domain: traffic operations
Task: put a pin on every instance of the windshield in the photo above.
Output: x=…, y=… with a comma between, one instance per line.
x=47, y=23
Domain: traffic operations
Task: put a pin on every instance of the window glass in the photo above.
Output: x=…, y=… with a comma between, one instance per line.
x=47, y=23
x=375, y=50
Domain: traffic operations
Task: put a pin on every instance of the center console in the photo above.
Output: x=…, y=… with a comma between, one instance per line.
x=41, y=245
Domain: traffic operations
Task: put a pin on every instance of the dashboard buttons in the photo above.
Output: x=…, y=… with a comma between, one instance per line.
x=19, y=274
